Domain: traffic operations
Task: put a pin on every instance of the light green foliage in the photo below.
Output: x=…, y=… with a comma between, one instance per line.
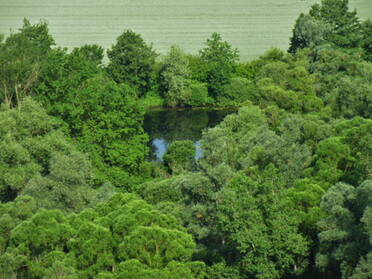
x=112, y=240
x=249, y=215
x=132, y=62
x=199, y=94
x=175, y=75
x=304, y=199
x=344, y=239
x=13, y=213
x=66, y=185
x=221, y=271
x=250, y=69
x=235, y=130
x=331, y=22
x=308, y=32
x=37, y=159
x=343, y=82
x=36, y=238
x=288, y=85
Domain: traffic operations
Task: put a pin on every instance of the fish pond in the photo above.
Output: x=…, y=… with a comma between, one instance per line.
x=167, y=125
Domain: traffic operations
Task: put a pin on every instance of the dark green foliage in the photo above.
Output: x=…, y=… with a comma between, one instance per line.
x=21, y=58
x=220, y=59
x=328, y=23
x=179, y=156
x=101, y=115
x=238, y=91
x=367, y=39
x=344, y=237
x=345, y=24
x=132, y=62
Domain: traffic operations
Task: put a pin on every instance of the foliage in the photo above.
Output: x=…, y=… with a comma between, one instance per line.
x=179, y=156
x=38, y=160
x=132, y=62
x=331, y=22
x=344, y=238
x=282, y=189
x=220, y=59
x=122, y=237
x=175, y=76
x=102, y=116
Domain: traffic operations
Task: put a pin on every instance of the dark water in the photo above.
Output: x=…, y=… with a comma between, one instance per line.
x=166, y=125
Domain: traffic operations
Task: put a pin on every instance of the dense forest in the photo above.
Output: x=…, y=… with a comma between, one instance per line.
x=283, y=188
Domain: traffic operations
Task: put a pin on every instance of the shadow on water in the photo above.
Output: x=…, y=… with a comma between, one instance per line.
x=166, y=125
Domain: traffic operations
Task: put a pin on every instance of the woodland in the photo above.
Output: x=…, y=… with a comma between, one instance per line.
x=283, y=188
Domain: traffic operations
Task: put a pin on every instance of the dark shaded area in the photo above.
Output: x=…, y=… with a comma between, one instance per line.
x=168, y=125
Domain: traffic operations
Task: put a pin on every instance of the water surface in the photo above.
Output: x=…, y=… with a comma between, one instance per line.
x=166, y=125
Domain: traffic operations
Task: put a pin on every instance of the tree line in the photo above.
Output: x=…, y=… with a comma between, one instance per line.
x=283, y=188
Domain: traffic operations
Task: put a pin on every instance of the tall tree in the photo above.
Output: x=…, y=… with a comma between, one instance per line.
x=132, y=62
x=175, y=75
x=344, y=233
x=330, y=22
x=37, y=158
x=20, y=61
x=220, y=58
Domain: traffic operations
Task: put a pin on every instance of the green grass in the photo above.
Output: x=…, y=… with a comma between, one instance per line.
x=252, y=26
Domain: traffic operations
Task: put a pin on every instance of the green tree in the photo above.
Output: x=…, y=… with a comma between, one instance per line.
x=258, y=235
x=308, y=32
x=345, y=25
x=38, y=158
x=179, y=156
x=367, y=41
x=132, y=62
x=175, y=75
x=220, y=59
x=21, y=58
x=331, y=22
x=344, y=237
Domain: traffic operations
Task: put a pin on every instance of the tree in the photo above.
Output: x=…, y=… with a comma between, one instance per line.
x=179, y=156
x=175, y=75
x=344, y=233
x=367, y=39
x=132, y=62
x=346, y=31
x=220, y=58
x=37, y=158
x=328, y=23
x=258, y=235
x=21, y=57
x=308, y=32
x=103, y=116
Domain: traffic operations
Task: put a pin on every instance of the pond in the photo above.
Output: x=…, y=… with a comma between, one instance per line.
x=166, y=125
